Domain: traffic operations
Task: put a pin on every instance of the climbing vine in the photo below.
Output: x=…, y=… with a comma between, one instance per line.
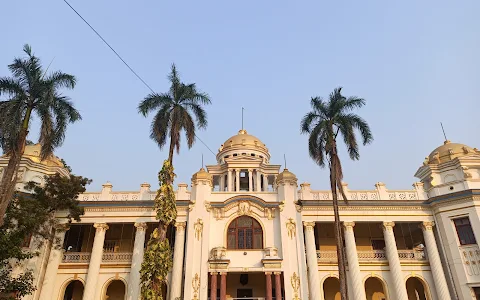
x=157, y=260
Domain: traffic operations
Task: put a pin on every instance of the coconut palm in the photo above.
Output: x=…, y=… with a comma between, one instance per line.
x=31, y=92
x=324, y=123
x=174, y=113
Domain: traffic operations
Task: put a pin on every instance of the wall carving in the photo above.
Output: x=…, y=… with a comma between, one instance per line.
x=196, y=286
x=295, y=281
x=198, y=229
x=291, y=225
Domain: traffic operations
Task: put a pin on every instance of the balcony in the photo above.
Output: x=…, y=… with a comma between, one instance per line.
x=373, y=256
x=84, y=257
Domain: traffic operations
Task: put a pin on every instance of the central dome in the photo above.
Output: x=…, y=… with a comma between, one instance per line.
x=244, y=140
x=243, y=144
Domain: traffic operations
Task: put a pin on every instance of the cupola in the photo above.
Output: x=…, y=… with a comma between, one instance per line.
x=243, y=144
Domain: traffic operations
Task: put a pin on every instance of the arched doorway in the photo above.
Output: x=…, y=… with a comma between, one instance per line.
x=416, y=290
x=331, y=289
x=374, y=289
x=74, y=290
x=115, y=290
x=244, y=233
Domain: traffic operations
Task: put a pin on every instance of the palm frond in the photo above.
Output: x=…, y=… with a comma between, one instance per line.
x=154, y=101
x=159, y=126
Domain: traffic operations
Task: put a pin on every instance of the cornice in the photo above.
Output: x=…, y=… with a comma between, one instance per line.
x=461, y=195
x=367, y=208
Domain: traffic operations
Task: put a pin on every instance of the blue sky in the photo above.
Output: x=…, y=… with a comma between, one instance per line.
x=415, y=62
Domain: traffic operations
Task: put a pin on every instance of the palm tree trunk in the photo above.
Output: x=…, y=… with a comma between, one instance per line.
x=7, y=185
x=338, y=230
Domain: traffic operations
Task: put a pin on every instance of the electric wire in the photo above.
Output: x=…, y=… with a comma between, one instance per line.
x=124, y=62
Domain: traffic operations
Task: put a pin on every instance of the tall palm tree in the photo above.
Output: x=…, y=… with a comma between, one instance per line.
x=324, y=123
x=173, y=114
x=31, y=91
x=174, y=111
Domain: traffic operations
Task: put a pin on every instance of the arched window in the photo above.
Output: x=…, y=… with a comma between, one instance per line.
x=245, y=233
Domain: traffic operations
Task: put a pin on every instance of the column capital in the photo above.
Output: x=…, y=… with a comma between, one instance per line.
x=250, y=170
x=223, y=273
x=180, y=226
x=268, y=273
x=427, y=225
x=141, y=226
x=213, y=273
x=101, y=226
x=388, y=226
x=308, y=225
x=277, y=273
x=348, y=225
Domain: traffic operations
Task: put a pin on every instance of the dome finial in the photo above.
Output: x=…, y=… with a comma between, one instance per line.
x=444, y=135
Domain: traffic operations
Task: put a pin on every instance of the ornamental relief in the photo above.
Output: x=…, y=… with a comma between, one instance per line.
x=242, y=208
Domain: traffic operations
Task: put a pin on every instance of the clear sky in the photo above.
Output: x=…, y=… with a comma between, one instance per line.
x=415, y=62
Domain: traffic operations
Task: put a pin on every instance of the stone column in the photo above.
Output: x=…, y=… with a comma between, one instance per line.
x=358, y=291
x=137, y=258
x=95, y=261
x=237, y=180
x=259, y=182
x=213, y=286
x=54, y=261
x=435, y=262
x=250, y=181
x=178, y=254
x=265, y=183
x=268, y=285
x=312, y=261
x=229, y=179
x=223, y=286
x=222, y=183
x=278, y=286
x=399, y=288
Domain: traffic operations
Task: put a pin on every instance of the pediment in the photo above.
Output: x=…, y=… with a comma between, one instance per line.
x=244, y=205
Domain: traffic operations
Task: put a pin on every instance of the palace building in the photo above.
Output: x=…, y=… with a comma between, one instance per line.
x=246, y=229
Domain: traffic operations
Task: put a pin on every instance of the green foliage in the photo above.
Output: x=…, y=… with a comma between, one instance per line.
x=34, y=214
x=174, y=111
x=157, y=260
x=29, y=91
x=165, y=199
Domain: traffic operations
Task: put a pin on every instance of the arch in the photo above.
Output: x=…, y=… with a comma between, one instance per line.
x=375, y=288
x=331, y=288
x=417, y=285
x=244, y=232
x=107, y=284
x=72, y=289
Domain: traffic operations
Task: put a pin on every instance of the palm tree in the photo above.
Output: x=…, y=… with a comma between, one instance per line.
x=173, y=114
x=323, y=124
x=31, y=91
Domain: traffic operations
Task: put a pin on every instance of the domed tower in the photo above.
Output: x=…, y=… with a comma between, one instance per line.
x=451, y=167
x=243, y=165
x=32, y=168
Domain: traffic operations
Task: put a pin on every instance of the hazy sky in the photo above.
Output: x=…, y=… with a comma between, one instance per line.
x=415, y=62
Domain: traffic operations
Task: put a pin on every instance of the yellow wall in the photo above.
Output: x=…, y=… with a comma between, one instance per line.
x=374, y=289
x=331, y=289
x=116, y=290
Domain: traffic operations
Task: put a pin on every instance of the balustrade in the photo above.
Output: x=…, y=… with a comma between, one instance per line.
x=84, y=257
x=373, y=255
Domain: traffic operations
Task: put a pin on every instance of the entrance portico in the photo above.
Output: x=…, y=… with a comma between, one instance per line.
x=250, y=285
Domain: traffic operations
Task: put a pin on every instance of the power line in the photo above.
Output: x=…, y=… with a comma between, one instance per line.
x=124, y=62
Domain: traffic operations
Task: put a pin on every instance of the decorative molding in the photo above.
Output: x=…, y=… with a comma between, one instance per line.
x=295, y=281
x=196, y=286
x=427, y=225
x=291, y=225
x=348, y=226
x=198, y=229
x=101, y=226
x=309, y=225
x=142, y=226
x=388, y=226
x=364, y=208
x=244, y=208
x=180, y=226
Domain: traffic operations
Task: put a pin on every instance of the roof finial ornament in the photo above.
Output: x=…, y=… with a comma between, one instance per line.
x=444, y=135
x=285, y=159
x=202, y=161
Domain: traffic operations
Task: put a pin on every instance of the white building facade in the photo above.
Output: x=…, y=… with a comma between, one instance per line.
x=246, y=229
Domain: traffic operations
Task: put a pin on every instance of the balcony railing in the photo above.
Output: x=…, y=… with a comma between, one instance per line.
x=373, y=255
x=84, y=257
